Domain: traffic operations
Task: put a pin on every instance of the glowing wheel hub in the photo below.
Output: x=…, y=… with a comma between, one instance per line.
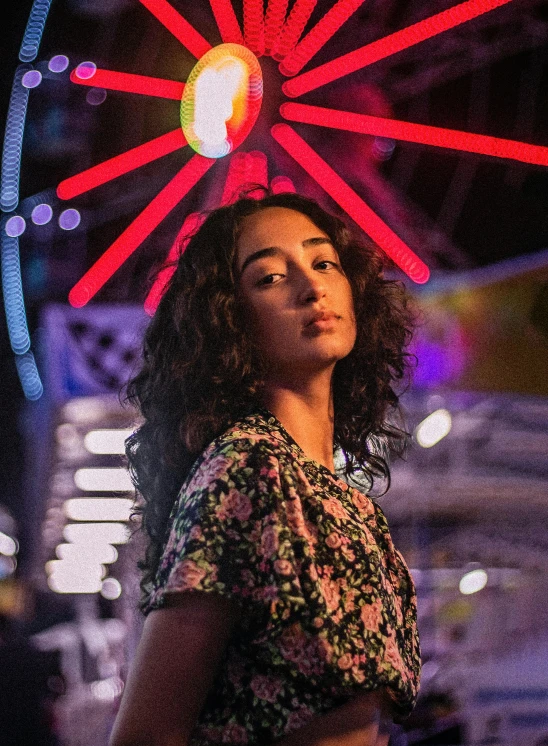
x=221, y=100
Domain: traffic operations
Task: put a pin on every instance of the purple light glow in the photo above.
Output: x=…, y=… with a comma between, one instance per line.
x=383, y=148
x=85, y=70
x=41, y=214
x=15, y=226
x=58, y=64
x=96, y=96
x=69, y=219
x=31, y=79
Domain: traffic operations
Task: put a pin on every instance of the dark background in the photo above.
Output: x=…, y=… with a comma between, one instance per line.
x=504, y=205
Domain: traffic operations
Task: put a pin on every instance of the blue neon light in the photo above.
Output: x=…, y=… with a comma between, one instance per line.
x=29, y=376
x=13, y=294
x=13, y=141
x=35, y=28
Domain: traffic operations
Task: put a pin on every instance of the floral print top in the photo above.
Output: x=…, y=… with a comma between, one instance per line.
x=330, y=606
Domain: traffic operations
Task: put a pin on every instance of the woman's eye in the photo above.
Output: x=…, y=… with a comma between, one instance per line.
x=268, y=279
x=327, y=261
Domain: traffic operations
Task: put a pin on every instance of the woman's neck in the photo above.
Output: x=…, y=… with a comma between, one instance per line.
x=307, y=413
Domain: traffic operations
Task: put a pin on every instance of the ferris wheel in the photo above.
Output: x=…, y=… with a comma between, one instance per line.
x=254, y=109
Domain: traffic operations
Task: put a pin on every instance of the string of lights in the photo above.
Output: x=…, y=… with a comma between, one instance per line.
x=29, y=376
x=14, y=302
x=13, y=141
x=143, y=225
x=347, y=198
x=293, y=27
x=254, y=26
x=419, y=133
x=226, y=20
x=318, y=36
x=388, y=45
x=85, y=74
x=190, y=225
x=121, y=164
x=181, y=29
x=273, y=22
x=34, y=30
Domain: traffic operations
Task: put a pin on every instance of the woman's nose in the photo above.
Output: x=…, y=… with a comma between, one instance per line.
x=313, y=287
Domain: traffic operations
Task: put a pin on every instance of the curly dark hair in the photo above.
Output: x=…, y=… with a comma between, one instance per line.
x=201, y=371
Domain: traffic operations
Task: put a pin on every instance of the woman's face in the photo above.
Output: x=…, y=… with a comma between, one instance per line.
x=299, y=300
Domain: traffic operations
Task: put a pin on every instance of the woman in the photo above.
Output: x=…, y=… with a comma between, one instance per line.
x=278, y=609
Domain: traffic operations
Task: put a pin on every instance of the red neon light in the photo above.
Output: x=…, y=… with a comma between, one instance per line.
x=273, y=21
x=190, y=226
x=254, y=26
x=293, y=27
x=131, y=83
x=391, y=44
x=421, y=133
x=139, y=230
x=121, y=164
x=178, y=26
x=318, y=36
x=281, y=184
x=239, y=174
x=347, y=198
x=227, y=22
x=259, y=168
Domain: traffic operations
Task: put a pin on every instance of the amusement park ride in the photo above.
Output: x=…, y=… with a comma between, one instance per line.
x=258, y=100
x=221, y=101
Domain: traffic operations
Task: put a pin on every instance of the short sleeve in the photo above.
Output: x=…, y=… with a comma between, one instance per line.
x=227, y=532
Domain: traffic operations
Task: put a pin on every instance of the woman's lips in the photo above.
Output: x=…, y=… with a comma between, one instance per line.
x=321, y=316
x=323, y=324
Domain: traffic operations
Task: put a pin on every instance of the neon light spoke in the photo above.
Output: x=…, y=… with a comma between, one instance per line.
x=420, y=133
x=347, y=198
x=254, y=26
x=121, y=164
x=293, y=27
x=190, y=226
x=139, y=230
x=273, y=21
x=229, y=28
x=259, y=168
x=178, y=26
x=239, y=174
x=391, y=44
x=131, y=83
x=281, y=184
x=318, y=36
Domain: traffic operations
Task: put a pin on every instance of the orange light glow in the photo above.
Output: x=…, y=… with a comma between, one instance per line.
x=221, y=100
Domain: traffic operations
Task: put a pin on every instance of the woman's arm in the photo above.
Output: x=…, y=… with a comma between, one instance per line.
x=174, y=667
x=362, y=721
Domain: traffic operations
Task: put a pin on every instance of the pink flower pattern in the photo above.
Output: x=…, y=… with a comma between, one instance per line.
x=329, y=604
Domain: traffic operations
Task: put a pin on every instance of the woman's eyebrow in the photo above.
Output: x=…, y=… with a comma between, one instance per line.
x=274, y=250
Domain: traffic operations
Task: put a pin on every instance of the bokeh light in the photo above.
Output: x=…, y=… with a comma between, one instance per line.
x=433, y=428
x=58, y=63
x=31, y=79
x=111, y=589
x=96, y=96
x=473, y=582
x=41, y=214
x=85, y=70
x=15, y=226
x=69, y=219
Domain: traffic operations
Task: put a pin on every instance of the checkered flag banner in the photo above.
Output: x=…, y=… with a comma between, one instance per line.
x=92, y=350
